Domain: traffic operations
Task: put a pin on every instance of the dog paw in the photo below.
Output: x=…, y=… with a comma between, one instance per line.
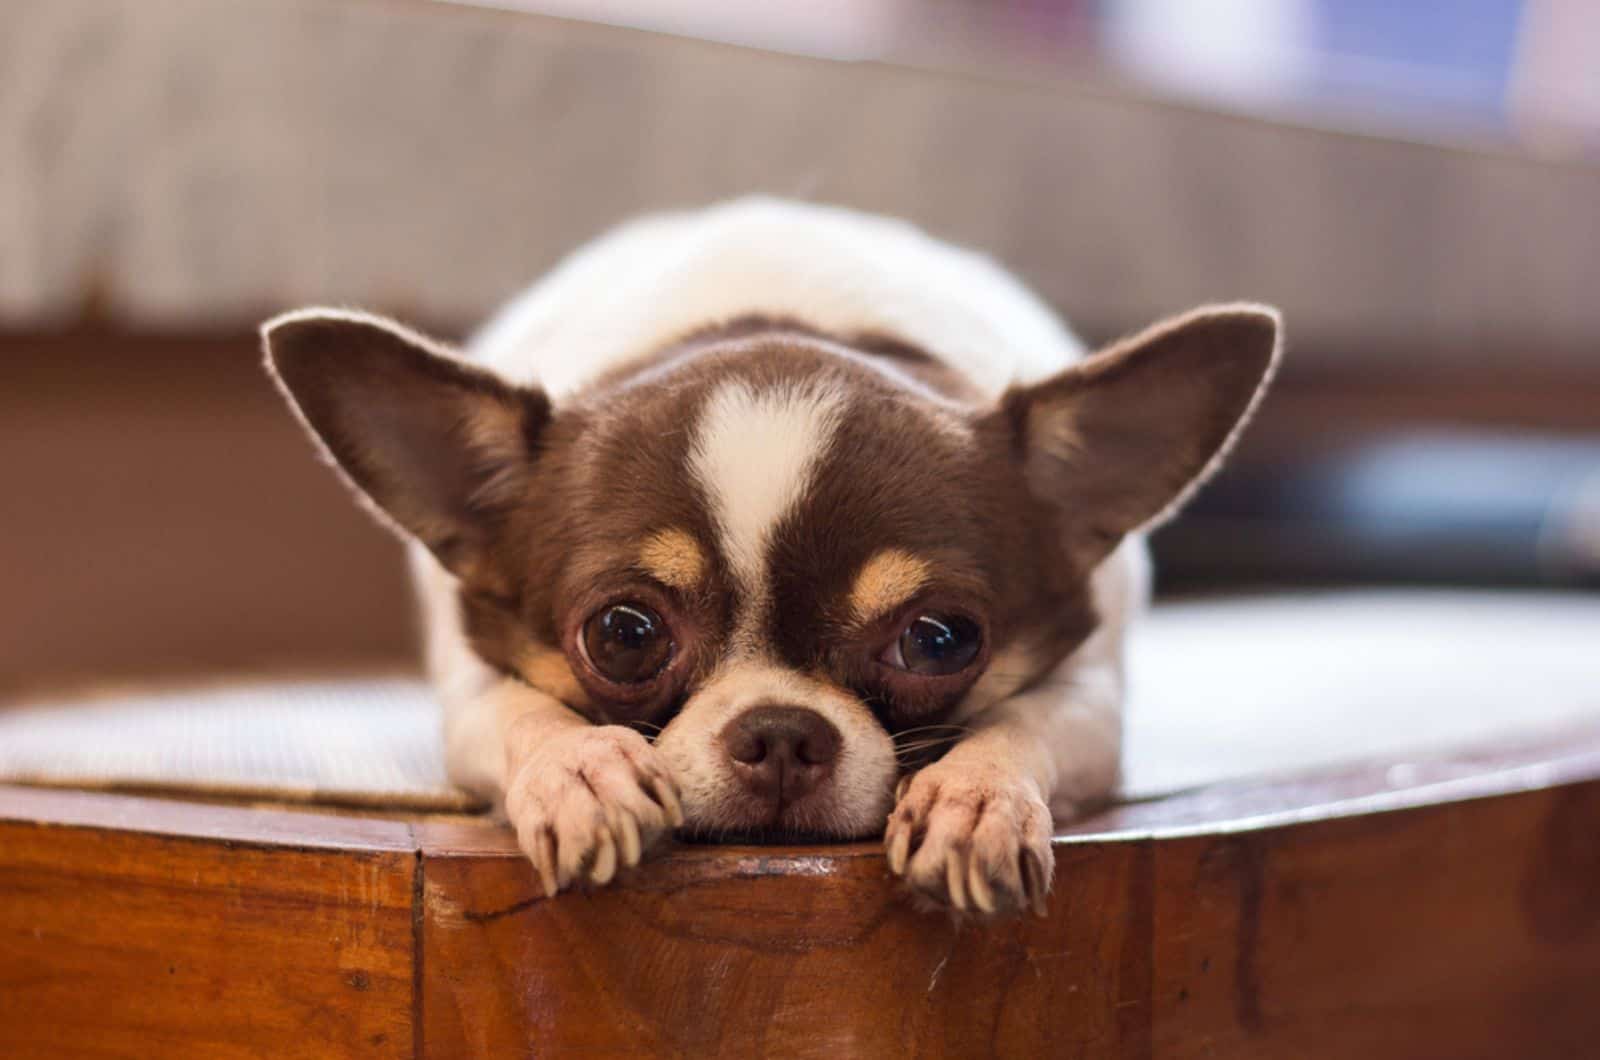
x=971, y=838
x=588, y=802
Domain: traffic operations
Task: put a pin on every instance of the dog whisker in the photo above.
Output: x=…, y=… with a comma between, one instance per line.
x=933, y=728
x=939, y=741
x=921, y=745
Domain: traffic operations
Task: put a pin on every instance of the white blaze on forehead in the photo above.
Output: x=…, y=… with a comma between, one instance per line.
x=753, y=454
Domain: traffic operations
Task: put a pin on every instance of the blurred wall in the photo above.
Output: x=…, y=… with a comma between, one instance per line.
x=162, y=514
x=181, y=162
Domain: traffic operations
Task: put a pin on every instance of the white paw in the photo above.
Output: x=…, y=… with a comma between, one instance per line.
x=589, y=801
x=972, y=838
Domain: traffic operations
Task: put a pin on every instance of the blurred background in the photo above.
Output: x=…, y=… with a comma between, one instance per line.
x=1416, y=184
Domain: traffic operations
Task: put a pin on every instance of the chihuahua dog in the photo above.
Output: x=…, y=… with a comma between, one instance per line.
x=775, y=520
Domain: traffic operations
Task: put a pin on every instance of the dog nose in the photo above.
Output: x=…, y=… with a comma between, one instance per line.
x=781, y=753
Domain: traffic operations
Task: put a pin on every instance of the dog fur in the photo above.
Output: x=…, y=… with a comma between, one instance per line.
x=784, y=431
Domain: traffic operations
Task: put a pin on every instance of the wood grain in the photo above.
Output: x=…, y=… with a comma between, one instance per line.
x=1425, y=908
x=1463, y=930
x=230, y=936
x=771, y=952
x=1443, y=910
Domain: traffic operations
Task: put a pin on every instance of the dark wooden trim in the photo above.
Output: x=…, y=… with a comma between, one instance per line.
x=1430, y=907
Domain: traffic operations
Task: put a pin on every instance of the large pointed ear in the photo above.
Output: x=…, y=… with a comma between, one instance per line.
x=440, y=448
x=1121, y=439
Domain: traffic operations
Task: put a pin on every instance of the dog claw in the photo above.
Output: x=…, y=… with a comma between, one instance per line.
x=955, y=881
x=626, y=830
x=1033, y=883
x=978, y=887
x=899, y=850
x=544, y=861
x=667, y=796
x=605, y=858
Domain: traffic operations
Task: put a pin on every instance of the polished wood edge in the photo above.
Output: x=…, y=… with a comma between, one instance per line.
x=1569, y=757
x=206, y=821
x=1566, y=756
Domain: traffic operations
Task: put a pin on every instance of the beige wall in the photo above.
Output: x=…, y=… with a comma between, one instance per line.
x=177, y=162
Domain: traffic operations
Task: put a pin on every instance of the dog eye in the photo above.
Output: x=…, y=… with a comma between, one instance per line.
x=936, y=645
x=626, y=643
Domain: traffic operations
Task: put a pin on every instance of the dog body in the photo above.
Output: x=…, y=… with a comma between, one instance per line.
x=779, y=520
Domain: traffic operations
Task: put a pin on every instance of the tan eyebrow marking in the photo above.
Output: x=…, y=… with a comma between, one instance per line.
x=886, y=581
x=673, y=558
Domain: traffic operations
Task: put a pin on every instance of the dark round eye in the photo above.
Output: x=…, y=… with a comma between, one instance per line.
x=937, y=645
x=626, y=643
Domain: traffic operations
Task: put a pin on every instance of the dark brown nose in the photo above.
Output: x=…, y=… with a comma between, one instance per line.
x=781, y=753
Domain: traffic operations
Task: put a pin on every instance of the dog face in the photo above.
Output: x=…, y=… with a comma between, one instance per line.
x=801, y=566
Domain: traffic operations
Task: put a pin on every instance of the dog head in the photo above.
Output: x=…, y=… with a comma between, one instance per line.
x=797, y=565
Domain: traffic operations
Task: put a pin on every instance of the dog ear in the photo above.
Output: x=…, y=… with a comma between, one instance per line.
x=1120, y=440
x=440, y=448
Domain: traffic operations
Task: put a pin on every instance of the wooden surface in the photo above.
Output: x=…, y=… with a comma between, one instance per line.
x=1446, y=908
x=130, y=928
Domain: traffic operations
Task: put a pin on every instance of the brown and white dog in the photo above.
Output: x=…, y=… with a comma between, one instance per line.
x=777, y=520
